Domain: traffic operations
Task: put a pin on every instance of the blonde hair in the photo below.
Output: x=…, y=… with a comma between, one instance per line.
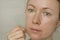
x=59, y=8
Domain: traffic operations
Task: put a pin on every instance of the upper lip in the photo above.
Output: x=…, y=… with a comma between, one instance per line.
x=35, y=29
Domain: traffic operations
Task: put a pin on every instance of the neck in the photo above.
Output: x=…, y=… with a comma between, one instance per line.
x=50, y=38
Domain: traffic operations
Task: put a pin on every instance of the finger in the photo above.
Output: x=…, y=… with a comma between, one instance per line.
x=18, y=36
x=18, y=33
x=17, y=39
x=15, y=29
x=21, y=39
x=11, y=39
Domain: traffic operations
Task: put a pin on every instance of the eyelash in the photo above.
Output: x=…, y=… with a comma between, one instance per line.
x=47, y=14
x=30, y=10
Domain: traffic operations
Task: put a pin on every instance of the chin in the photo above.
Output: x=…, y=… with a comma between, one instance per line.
x=34, y=36
x=38, y=36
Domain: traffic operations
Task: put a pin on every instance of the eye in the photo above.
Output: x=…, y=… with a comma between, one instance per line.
x=47, y=14
x=31, y=10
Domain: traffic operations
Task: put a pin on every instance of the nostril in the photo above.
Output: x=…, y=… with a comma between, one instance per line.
x=36, y=19
x=35, y=22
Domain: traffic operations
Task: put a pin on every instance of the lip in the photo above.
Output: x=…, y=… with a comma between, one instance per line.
x=35, y=30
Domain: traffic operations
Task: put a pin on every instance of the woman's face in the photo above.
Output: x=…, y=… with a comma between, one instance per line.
x=41, y=18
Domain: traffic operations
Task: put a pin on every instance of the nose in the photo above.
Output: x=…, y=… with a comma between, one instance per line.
x=36, y=19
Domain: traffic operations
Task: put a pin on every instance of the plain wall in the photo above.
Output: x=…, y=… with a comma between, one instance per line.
x=12, y=14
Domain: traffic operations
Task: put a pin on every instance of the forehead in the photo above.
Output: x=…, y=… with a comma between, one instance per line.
x=44, y=3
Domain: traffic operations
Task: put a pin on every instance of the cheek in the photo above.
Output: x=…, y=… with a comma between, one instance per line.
x=48, y=26
x=29, y=19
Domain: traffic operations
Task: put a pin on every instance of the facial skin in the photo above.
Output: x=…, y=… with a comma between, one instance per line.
x=42, y=17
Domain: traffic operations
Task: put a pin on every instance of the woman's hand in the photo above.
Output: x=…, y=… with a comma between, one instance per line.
x=16, y=34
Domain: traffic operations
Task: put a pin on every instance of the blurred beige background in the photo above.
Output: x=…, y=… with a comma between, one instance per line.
x=12, y=14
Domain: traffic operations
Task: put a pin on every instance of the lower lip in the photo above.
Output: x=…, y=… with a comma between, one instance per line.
x=35, y=30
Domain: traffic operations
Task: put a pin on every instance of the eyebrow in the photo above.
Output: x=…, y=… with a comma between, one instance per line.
x=43, y=8
x=48, y=8
x=31, y=5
